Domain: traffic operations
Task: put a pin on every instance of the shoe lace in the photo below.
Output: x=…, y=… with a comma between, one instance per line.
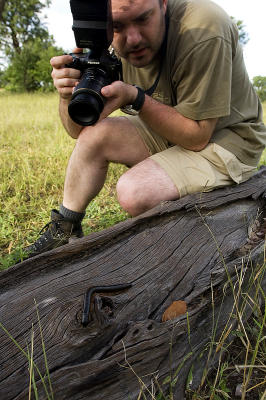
x=43, y=239
x=46, y=226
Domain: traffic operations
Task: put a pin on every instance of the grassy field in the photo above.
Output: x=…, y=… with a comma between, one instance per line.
x=34, y=154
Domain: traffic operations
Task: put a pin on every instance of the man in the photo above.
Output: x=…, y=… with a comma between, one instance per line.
x=200, y=129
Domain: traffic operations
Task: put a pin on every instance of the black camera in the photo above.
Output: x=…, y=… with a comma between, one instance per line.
x=93, y=30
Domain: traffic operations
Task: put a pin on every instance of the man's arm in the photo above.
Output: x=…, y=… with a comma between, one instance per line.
x=70, y=126
x=65, y=80
x=163, y=119
x=177, y=129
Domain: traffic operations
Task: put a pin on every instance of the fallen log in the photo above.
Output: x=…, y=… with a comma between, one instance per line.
x=197, y=252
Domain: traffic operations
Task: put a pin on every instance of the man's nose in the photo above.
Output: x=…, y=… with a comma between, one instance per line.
x=133, y=36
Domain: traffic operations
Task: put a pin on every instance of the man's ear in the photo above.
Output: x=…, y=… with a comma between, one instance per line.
x=164, y=5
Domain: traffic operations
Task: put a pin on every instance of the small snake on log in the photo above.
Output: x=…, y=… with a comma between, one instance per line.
x=86, y=318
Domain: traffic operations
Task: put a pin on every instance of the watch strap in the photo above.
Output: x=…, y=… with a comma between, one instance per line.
x=140, y=99
x=135, y=107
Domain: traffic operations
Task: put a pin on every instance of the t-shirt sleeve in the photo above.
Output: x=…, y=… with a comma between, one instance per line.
x=204, y=84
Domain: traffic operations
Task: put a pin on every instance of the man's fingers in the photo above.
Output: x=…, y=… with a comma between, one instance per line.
x=65, y=91
x=65, y=79
x=60, y=61
x=66, y=73
x=61, y=83
x=107, y=91
x=112, y=90
x=77, y=50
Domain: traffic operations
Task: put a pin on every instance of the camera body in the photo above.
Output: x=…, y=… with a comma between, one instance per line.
x=92, y=26
x=87, y=101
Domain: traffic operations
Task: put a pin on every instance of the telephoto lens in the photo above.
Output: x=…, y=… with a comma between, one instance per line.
x=87, y=102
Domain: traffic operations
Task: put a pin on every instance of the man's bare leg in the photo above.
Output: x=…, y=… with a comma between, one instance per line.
x=144, y=186
x=115, y=139
x=139, y=189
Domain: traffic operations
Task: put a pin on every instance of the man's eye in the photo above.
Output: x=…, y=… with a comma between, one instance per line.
x=144, y=19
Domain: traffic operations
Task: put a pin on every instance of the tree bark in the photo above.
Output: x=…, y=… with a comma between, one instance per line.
x=191, y=250
x=2, y=5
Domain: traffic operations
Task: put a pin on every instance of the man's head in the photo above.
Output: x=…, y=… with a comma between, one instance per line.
x=139, y=27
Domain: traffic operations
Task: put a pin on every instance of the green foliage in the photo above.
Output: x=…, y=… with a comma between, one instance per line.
x=243, y=35
x=2, y=5
x=1, y=78
x=20, y=24
x=27, y=46
x=30, y=70
x=259, y=83
x=42, y=71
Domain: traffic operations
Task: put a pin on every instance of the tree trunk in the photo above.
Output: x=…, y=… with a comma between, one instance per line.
x=15, y=40
x=191, y=250
x=2, y=5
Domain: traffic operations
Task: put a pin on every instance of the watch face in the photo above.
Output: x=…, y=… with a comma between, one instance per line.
x=129, y=110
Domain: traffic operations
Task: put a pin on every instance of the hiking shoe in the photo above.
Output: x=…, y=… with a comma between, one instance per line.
x=57, y=232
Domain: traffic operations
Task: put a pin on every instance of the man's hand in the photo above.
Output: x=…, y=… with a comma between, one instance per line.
x=117, y=94
x=65, y=79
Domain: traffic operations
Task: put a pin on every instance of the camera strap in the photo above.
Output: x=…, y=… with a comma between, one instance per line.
x=150, y=91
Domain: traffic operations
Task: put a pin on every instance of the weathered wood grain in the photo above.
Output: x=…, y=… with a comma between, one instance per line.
x=181, y=250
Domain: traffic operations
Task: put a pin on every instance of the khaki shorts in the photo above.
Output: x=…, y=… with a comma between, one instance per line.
x=191, y=171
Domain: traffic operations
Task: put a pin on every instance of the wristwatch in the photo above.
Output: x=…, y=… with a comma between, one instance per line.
x=135, y=107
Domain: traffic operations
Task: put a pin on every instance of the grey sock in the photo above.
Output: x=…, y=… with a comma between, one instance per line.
x=70, y=215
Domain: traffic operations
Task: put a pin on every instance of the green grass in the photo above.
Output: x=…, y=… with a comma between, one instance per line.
x=240, y=351
x=34, y=154
x=33, y=157
x=33, y=368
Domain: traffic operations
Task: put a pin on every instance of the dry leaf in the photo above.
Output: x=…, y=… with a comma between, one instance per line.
x=174, y=310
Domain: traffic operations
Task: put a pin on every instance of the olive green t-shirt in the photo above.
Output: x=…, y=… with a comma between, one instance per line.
x=204, y=76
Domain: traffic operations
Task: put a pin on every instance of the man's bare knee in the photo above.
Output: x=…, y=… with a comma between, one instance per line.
x=145, y=186
x=93, y=142
x=93, y=134
x=130, y=196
